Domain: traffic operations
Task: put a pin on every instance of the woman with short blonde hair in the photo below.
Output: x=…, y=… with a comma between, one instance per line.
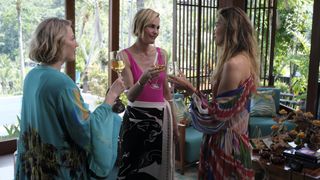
x=149, y=125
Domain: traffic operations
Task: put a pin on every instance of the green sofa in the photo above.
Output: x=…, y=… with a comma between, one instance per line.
x=264, y=123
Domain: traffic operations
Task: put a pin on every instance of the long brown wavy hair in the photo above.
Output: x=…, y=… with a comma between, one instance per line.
x=239, y=37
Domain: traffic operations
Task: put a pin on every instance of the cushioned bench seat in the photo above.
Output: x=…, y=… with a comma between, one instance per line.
x=188, y=150
x=193, y=143
x=263, y=120
x=264, y=124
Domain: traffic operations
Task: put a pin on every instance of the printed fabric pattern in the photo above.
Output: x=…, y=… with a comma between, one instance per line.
x=141, y=143
x=59, y=137
x=225, y=150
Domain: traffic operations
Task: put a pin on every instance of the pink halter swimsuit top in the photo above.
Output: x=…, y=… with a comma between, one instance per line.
x=149, y=93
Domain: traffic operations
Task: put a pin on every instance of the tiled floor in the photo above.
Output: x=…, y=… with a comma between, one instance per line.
x=6, y=167
x=7, y=170
x=190, y=173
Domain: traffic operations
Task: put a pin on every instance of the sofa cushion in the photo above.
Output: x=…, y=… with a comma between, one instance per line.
x=193, y=144
x=264, y=125
x=275, y=95
x=263, y=104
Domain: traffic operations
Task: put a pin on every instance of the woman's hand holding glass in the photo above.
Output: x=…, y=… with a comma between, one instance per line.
x=154, y=81
x=151, y=76
x=180, y=82
x=114, y=91
x=117, y=62
x=117, y=65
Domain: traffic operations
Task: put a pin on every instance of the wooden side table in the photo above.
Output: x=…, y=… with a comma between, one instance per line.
x=281, y=172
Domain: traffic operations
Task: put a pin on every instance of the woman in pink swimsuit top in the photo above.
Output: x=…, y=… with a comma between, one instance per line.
x=148, y=125
x=153, y=90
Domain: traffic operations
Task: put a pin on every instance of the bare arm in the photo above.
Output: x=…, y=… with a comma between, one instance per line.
x=115, y=90
x=133, y=89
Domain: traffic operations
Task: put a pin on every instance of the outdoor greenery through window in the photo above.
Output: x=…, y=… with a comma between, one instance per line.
x=292, y=51
x=18, y=20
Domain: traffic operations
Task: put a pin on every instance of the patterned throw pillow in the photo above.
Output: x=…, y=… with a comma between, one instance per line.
x=262, y=104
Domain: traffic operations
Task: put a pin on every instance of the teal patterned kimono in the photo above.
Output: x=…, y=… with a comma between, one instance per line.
x=59, y=137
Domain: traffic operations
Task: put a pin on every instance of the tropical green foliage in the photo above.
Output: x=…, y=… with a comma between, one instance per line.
x=13, y=130
x=10, y=81
x=98, y=80
x=32, y=12
x=293, y=44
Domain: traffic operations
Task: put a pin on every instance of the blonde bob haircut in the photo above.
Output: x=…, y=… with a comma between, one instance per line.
x=47, y=40
x=142, y=19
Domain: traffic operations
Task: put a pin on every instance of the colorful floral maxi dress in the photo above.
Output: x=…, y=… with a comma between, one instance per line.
x=225, y=150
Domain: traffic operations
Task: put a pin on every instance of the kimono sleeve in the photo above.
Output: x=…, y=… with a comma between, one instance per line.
x=210, y=118
x=96, y=132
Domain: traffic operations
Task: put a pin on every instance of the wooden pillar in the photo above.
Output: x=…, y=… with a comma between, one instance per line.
x=312, y=91
x=273, y=42
x=229, y=3
x=114, y=16
x=70, y=15
x=199, y=42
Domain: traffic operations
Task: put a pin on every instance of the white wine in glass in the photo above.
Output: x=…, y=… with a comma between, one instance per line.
x=117, y=65
x=154, y=84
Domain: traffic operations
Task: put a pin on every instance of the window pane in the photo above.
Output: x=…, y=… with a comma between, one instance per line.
x=17, y=23
x=92, y=33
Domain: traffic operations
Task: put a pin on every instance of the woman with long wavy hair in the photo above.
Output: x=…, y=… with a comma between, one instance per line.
x=225, y=151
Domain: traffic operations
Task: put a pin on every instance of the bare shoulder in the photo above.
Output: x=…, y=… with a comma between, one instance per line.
x=235, y=71
x=240, y=61
x=240, y=64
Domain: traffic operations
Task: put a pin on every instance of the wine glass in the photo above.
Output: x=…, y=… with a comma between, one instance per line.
x=176, y=69
x=117, y=65
x=154, y=82
x=173, y=71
